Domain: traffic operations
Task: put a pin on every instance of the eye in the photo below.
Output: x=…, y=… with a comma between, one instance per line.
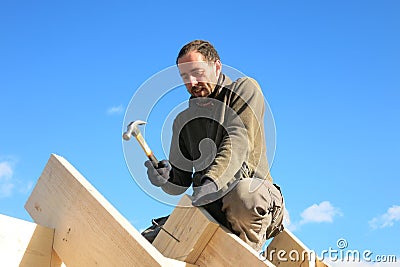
x=198, y=73
x=184, y=77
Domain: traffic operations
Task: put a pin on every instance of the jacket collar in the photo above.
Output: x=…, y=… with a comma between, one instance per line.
x=203, y=102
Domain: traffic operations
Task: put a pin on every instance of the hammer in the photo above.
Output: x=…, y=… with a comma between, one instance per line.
x=133, y=130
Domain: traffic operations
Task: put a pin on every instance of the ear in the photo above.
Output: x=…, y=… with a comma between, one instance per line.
x=218, y=67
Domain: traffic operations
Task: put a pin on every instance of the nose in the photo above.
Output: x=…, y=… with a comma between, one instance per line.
x=193, y=81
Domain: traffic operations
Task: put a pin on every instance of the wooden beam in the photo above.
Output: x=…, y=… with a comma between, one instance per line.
x=89, y=231
x=286, y=250
x=319, y=263
x=55, y=260
x=192, y=229
x=202, y=241
x=24, y=243
x=227, y=249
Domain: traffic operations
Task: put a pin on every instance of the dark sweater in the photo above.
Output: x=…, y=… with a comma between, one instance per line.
x=220, y=137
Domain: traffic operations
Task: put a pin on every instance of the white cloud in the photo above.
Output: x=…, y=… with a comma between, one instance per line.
x=286, y=218
x=25, y=188
x=386, y=220
x=288, y=223
x=318, y=213
x=6, y=182
x=115, y=110
x=5, y=169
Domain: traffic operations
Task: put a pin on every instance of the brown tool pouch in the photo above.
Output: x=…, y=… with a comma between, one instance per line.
x=277, y=212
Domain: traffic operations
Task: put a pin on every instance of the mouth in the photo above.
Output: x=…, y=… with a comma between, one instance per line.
x=196, y=90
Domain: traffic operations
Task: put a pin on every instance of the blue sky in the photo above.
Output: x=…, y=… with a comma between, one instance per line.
x=329, y=71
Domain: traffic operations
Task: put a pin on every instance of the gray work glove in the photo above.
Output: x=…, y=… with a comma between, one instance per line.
x=158, y=176
x=205, y=193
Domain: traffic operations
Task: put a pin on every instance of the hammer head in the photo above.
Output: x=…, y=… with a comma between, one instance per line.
x=132, y=129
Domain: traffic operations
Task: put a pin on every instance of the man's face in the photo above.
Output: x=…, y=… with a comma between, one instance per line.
x=200, y=77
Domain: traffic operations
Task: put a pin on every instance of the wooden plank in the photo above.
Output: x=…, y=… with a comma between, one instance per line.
x=286, y=250
x=55, y=260
x=193, y=227
x=89, y=231
x=202, y=241
x=319, y=263
x=24, y=243
x=227, y=249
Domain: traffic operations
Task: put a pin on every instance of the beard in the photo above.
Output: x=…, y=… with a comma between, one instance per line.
x=202, y=89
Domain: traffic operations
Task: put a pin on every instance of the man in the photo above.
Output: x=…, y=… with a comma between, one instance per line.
x=218, y=145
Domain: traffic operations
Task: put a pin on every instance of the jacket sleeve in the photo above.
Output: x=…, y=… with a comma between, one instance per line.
x=243, y=121
x=179, y=158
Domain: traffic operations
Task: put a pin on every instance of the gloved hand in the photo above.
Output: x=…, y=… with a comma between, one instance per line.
x=158, y=176
x=202, y=195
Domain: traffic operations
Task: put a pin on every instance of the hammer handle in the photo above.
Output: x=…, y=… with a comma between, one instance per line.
x=154, y=160
x=147, y=150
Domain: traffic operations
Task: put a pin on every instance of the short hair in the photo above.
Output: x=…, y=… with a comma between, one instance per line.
x=203, y=47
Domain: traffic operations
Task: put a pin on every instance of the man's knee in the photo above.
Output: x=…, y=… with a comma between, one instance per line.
x=255, y=203
x=250, y=195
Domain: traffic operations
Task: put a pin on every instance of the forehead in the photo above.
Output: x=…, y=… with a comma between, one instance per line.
x=192, y=56
x=190, y=61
